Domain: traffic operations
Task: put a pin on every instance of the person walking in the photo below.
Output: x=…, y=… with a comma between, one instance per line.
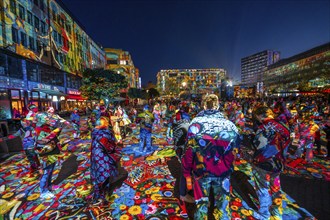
x=208, y=160
x=104, y=159
x=48, y=127
x=271, y=141
x=29, y=140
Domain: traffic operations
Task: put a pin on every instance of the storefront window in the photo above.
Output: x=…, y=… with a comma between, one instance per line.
x=14, y=94
x=17, y=108
x=42, y=95
x=3, y=95
x=35, y=95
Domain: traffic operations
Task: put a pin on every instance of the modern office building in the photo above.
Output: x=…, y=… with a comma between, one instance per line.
x=307, y=72
x=43, y=52
x=253, y=67
x=173, y=82
x=121, y=62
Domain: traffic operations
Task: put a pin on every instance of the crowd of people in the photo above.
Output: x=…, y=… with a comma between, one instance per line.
x=208, y=135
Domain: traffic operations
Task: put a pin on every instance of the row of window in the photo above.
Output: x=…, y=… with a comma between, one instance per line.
x=37, y=73
x=27, y=41
x=41, y=25
x=38, y=3
x=31, y=19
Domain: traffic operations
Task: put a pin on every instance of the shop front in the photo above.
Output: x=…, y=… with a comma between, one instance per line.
x=45, y=95
x=73, y=99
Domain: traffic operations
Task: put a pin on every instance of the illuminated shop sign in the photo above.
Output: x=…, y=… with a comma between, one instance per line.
x=43, y=86
x=73, y=92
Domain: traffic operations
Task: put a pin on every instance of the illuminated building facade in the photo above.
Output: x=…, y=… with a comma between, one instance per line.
x=121, y=62
x=253, y=67
x=44, y=51
x=305, y=72
x=172, y=82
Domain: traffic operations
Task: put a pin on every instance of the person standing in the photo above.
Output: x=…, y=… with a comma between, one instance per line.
x=146, y=121
x=29, y=140
x=163, y=110
x=104, y=159
x=271, y=142
x=157, y=115
x=208, y=159
x=75, y=119
x=326, y=128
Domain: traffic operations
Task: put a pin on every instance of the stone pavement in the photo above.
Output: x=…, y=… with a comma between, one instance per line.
x=150, y=191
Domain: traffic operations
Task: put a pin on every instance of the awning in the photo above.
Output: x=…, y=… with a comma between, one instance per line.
x=75, y=97
x=117, y=99
x=50, y=91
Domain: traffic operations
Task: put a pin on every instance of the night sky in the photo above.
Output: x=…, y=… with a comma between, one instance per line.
x=162, y=34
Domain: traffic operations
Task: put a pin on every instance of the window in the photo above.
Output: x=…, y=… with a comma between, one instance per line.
x=45, y=51
x=43, y=27
x=32, y=72
x=68, y=28
x=39, y=45
x=31, y=43
x=54, y=16
x=60, y=57
x=111, y=61
x=15, y=67
x=14, y=34
x=46, y=74
x=59, y=38
x=65, y=42
x=36, y=22
x=14, y=94
x=21, y=12
x=55, y=36
x=59, y=19
x=29, y=17
x=23, y=39
x=42, y=5
x=13, y=7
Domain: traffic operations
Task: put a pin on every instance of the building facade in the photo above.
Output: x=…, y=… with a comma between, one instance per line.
x=44, y=51
x=173, y=82
x=307, y=72
x=253, y=67
x=121, y=62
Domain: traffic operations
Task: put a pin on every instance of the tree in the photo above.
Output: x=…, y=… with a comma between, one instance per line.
x=134, y=93
x=100, y=84
x=153, y=93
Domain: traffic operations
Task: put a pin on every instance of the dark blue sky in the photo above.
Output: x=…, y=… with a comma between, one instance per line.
x=170, y=34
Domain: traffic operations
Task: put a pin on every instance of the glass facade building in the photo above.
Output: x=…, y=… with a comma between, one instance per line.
x=306, y=72
x=253, y=67
x=44, y=51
